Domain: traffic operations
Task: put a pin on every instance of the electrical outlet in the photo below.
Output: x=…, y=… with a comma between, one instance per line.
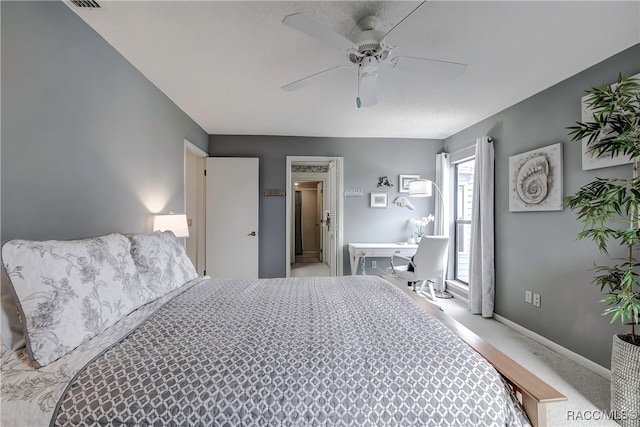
x=536, y=300
x=374, y=264
x=528, y=298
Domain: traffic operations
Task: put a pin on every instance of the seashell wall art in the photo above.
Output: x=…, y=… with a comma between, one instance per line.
x=535, y=180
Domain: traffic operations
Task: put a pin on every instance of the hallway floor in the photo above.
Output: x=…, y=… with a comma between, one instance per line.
x=310, y=269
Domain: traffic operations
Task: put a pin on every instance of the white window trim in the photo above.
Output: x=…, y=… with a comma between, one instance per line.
x=462, y=155
x=455, y=159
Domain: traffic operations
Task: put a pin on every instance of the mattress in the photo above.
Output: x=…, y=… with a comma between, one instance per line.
x=320, y=351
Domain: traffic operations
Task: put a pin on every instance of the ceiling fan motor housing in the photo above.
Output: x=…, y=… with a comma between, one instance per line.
x=369, y=45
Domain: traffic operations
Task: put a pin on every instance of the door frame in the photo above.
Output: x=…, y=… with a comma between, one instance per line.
x=200, y=202
x=338, y=188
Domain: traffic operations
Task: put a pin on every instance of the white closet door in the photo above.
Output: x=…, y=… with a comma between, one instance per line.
x=320, y=217
x=232, y=191
x=333, y=222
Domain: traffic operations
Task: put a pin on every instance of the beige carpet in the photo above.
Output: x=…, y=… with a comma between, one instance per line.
x=587, y=392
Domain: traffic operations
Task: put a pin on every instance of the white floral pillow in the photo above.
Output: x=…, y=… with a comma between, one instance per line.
x=69, y=291
x=162, y=260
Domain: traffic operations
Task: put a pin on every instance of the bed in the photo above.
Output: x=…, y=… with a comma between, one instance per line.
x=169, y=348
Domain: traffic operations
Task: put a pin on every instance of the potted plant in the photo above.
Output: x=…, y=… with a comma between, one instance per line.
x=609, y=211
x=421, y=225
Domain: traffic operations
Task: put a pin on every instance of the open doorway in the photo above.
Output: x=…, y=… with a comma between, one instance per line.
x=308, y=223
x=314, y=216
x=194, y=204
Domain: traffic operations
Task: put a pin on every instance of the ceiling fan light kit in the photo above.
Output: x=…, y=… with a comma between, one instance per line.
x=367, y=50
x=367, y=83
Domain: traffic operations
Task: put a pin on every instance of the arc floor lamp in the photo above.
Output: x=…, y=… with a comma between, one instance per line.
x=424, y=188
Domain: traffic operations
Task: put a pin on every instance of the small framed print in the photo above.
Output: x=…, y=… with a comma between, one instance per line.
x=379, y=200
x=403, y=184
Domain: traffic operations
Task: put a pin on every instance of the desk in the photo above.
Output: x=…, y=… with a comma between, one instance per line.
x=377, y=250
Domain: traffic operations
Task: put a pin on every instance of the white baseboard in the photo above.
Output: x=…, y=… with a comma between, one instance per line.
x=575, y=357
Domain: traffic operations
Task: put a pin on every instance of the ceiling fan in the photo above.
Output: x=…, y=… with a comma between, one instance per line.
x=367, y=50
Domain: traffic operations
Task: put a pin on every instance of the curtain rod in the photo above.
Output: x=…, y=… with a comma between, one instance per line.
x=472, y=146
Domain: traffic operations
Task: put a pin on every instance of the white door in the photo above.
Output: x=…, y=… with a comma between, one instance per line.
x=320, y=217
x=332, y=261
x=232, y=217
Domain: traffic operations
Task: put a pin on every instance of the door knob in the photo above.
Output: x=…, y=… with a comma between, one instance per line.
x=253, y=233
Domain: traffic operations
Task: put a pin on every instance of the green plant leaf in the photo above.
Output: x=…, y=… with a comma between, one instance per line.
x=609, y=207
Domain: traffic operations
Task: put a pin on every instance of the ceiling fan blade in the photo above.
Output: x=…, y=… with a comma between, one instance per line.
x=402, y=20
x=429, y=67
x=313, y=28
x=313, y=78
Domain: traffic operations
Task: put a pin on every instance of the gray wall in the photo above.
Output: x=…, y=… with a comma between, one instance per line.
x=364, y=161
x=538, y=250
x=89, y=145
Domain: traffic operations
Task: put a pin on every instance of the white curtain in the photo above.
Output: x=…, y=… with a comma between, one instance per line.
x=481, y=262
x=441, y=211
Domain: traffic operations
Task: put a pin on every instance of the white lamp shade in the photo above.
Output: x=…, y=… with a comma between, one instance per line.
x=176, y=223
x=420, y=188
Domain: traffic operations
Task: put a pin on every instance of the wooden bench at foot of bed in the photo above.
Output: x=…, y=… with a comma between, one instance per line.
x=534, y=393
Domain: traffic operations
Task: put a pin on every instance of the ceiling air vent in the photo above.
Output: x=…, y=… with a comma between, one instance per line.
x=86, y=4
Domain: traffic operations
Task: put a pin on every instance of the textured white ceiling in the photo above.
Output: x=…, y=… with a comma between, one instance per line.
x=224, y=63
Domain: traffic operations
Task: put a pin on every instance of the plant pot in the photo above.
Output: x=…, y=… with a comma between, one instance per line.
x=625, y=382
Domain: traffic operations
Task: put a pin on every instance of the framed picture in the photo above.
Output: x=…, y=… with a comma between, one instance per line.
x=404, y=181
x=379, y=200
x=589, y=160
x=535, y=180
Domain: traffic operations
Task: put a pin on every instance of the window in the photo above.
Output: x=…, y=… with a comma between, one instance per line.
x=464, y=173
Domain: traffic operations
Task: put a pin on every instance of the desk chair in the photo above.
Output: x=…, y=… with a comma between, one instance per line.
x=428, y=264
